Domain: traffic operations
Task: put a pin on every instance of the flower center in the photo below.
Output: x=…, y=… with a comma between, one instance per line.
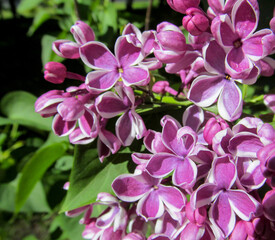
x=155, y=187
x=120, y=70
x=227, y=77
x=237, y=43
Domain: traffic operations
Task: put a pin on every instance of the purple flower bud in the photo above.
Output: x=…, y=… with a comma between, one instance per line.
x=272, y=22
x=195, y=21
x=66, y=49
x=55, y=72
x=212, y=127
x=182, y=5
x=267, y=157
x=269, y=205
x=82, y=32
x=162, y=87
x=171, y=37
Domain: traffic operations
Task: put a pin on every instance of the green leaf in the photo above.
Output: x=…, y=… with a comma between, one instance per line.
x=36, y=202
x=40, y=17
x=34, y=170
x=47, y=54
x=90, y=177
x=18, y=106
x=27, y=5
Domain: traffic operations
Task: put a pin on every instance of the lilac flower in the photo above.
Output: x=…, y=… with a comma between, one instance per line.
x=227, y=202
x=130, y=124
x=180, y=142
x=109, y=68
x=196, y=225
x=206, y=89
x=82, y=34
x=153, y=197
x=244, y=47
x=173, y=49
x=148, y=43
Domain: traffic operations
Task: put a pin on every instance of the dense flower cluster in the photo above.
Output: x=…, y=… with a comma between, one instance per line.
x=198, y=178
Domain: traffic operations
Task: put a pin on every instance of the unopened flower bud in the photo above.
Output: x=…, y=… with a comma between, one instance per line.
x=182, y=5
x=162, y=87
x=195, y=21
x=82, y=32
x=171, y=37
x=66, y=49
x=55, y=72
x=212, y=127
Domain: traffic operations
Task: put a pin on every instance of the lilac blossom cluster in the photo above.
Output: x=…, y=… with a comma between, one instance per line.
x=198, y=178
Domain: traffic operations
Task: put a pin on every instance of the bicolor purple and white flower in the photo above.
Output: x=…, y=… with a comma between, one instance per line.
x=128, y=126
x=206, y=89
x=153, y=197
x=243, y=46
x=109, y=68
x=225, y=201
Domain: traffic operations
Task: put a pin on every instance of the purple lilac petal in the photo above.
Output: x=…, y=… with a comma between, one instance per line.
x=61, y=127
x=192, y=232
x=244, y=18
x=125, y=130
x=109, y=105
x=150, y=206
x=243, y=204
x=110, y=140
x=230, y=101
x=214, y=56
x=71, y=109
x=253, y=46
x=137, y=75
x=105, y=220
x=103, y=150
x=184, y=61
x=153, y=142
x=162, y=164
x=138, y=125
x=130, y=188
x=205, y=90
x=88, y=123
x=193, y=117
x=237, y=63
x=82, y=32
x=223, y=173
x=97, y=56
x=173, y=199
x=245, y=144
x=101, y=80
x=188, y=138
x=66, y=49
x=77, y=137
x=253, y=177
x=221, y=214
x=185, y=173
x=223, y=31
x=221, y=140
x=127, y=53
x=204, y=195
